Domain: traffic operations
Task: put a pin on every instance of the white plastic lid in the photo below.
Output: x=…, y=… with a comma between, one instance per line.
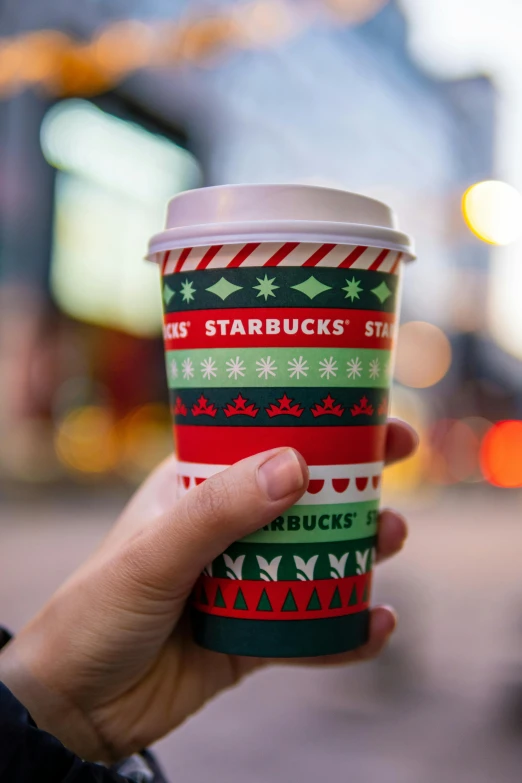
x=231, y=214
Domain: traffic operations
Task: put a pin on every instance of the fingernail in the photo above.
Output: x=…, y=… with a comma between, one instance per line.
x=392, y=611
x=281, y=475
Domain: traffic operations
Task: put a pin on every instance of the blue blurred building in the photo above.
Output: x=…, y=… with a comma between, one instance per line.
x=341, y=105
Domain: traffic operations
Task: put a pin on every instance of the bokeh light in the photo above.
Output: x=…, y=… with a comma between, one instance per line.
x=86, y=440
x=145, y=438
x=356, y=11
x=493, y=212
x=69, y=67
x=39, y=56
x=479, y=426
x=423, y=355
x=501, y=454
x=265, y=23
x=206, y=41
x=29, y=456
x=114, y=178
x=124, y=46
x=455, y=452
x=407, y=477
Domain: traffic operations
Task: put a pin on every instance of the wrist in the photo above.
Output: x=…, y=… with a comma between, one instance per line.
x=51, y=710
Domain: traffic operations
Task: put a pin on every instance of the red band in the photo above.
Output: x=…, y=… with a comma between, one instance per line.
x=318, y=445
x=312, y=328
x=242, y=598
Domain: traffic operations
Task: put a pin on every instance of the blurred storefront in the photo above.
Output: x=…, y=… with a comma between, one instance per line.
x=318, y=92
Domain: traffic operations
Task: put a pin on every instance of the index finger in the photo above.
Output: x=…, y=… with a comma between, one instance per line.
x=401, y=441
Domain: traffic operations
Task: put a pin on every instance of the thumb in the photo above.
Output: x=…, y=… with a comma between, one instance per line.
x=170, y=554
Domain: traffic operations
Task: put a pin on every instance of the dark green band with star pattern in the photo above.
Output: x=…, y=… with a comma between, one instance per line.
x=286, y=287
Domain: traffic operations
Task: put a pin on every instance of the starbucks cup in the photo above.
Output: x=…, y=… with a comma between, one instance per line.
x=280, y=310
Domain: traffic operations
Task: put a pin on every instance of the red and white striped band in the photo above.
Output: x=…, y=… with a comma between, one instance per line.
x=270, y=254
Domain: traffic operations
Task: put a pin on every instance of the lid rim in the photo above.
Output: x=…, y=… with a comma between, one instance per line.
x=281, y=231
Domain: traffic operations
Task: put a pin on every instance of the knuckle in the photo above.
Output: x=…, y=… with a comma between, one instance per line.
x=212, y=499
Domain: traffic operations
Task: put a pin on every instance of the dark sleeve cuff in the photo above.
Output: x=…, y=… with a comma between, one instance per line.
x=28, y=754
x=5, y=636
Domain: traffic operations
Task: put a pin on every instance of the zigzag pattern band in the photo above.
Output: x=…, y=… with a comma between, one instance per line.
x=282, y=600
x=273, y=254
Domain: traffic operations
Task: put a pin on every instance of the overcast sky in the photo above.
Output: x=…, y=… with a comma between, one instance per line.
x=463, y=37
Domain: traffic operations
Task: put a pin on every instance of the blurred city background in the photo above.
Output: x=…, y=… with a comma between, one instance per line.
x=107, y=109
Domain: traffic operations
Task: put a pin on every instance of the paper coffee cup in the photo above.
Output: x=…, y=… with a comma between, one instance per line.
x=280, y=310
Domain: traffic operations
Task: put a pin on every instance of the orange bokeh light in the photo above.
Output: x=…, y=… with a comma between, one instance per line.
x=501, y=454
x=455, y=452
x=423, y=355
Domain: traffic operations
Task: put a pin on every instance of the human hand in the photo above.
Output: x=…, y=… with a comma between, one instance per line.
x=109, y=666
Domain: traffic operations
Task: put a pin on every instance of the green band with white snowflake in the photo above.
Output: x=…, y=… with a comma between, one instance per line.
x=279, y=407
x=272, y=563
x=287, y=287
x=310, y=524
x=290, y=367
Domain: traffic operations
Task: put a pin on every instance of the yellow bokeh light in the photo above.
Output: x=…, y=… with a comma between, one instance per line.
x=408, y=476
x=86, y=442
x=493, y=212
x=145, y=437
x=423, y=355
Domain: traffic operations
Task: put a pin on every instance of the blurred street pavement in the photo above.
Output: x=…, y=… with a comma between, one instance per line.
x=435, y=707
